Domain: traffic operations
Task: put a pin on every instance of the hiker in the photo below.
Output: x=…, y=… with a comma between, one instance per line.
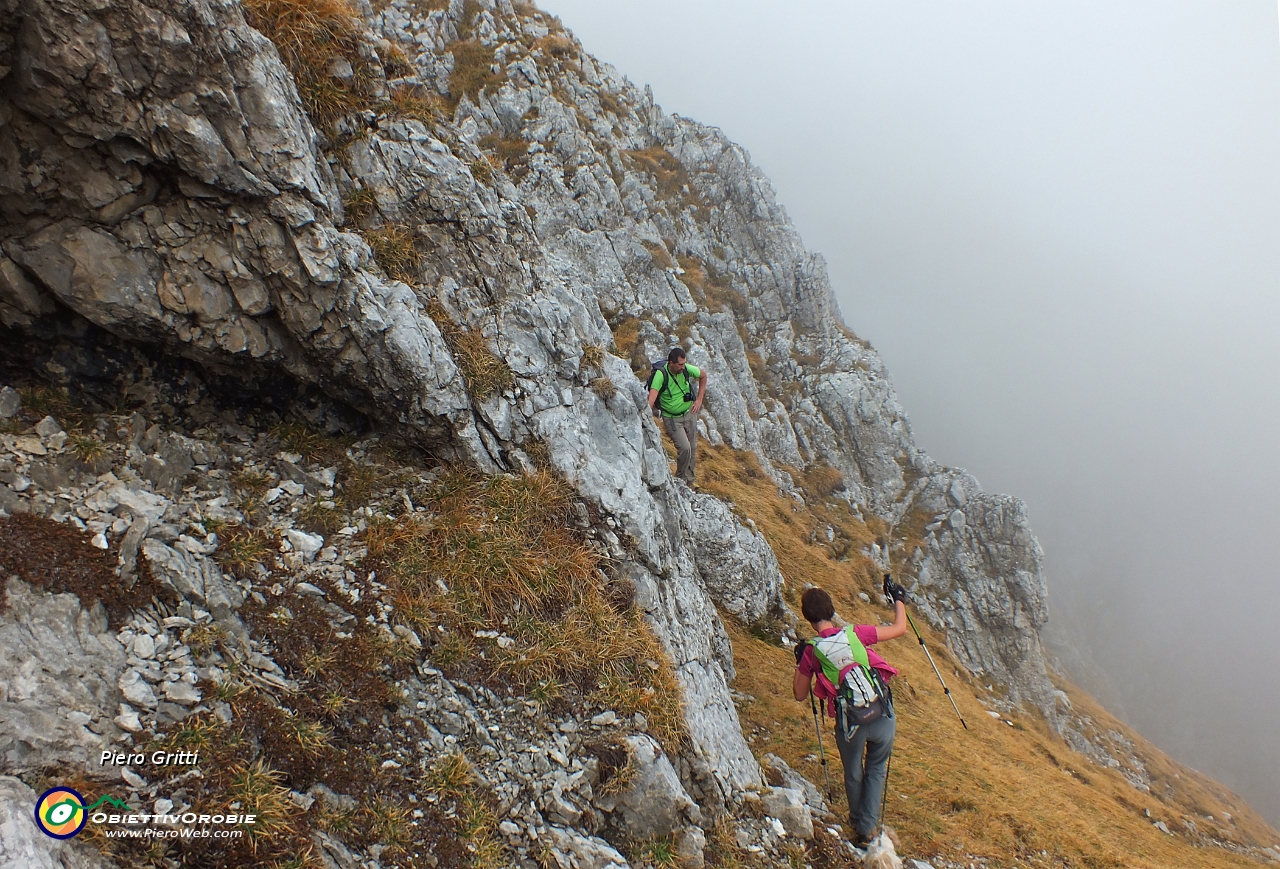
x=837, y=657
x=679, y=403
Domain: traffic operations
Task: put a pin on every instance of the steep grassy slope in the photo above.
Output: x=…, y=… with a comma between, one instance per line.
x=1005, y=792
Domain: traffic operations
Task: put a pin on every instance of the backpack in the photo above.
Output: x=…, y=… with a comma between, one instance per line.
x=861, y=694
x=661, y=365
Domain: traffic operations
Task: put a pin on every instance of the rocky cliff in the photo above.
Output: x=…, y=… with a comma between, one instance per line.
x=452, y=221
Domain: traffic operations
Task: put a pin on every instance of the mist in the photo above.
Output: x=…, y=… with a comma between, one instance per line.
x=1058, y=223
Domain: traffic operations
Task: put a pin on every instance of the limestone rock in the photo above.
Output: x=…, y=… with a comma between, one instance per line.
x=788, y=806
x=736, y=565
x=655, y=803
x=305, y=544
x=23, y=845
x=572, y=850
x=792, y=779
x=689, y=846
x=59, y=671
x=10, y=402
x=981, y=579
x=193, y=576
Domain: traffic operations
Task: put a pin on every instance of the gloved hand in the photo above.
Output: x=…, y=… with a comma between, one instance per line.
x=800, y=647
x=893, y=591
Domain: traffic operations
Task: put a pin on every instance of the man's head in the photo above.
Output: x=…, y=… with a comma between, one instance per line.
x=816, y=606
x=675, y=359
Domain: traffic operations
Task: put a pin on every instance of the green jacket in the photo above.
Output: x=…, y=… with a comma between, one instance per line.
x=671, y=401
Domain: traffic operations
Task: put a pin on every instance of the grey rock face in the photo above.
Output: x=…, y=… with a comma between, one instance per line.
x=168, y=187
x=23, y=846
x=792, y=779
x=237, y=254
x=655, y=803
x=572, y=850
x=788, y=806
x=980, y=577
x=60, y=668
x=193, y=576
x=10, y=402
x=737, y=566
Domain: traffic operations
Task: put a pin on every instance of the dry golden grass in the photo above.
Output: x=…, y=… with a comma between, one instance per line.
x=308, y=34
x=669, y=174
x=604, y=387
x=709, y=288
x=557, y=45
x=610, y=103
x=397, y=252
x=415, y=102
x=626, y=338
x=592, y=356
x=472, y=70
x=512, y=155
x=360, y=204
x=1018, y=795
x=796, y=532
x=484, y=372
x=502, y=548
x=659, y=254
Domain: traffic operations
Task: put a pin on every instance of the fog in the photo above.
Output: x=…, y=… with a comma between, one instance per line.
x=1058, y=224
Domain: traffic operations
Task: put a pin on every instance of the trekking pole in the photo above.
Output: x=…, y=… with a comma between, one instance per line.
x=884, y=795
x=945, y=689
x=822, y=753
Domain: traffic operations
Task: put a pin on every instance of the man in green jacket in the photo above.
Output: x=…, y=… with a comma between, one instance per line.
x=679, y=406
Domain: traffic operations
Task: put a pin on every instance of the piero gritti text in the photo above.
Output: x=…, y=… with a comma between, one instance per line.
x=156, y=758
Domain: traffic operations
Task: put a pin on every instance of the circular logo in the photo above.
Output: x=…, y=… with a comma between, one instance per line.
x=60, y=813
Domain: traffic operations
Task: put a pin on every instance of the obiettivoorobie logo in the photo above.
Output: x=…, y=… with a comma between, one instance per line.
x=61, y=812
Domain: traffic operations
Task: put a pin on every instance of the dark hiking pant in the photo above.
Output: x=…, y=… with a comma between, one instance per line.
x=683, y=431
x=864, y=780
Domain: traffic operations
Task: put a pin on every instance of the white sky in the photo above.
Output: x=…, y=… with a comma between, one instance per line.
x=1058, y=223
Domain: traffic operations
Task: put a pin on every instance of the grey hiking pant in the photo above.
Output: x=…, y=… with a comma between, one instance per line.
x=864, y=782
x=683, y=431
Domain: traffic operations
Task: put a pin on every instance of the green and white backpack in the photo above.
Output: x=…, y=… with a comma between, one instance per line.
x=860, y=692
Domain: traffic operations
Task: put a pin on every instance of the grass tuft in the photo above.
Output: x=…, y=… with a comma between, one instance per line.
x=360, y=205
x=484, y=372
x=660, y=852
x=257, y=788
x=241, y=549
x=86, y=447
x=472, y=71
x=592, y=357
x=604, y=387
x=510, y=154
x=321, y=517
x=557, y=45
x=616, y=768
x=254, y=483
x=396, y=251
x=309, y=35
x=670, y=177
x=659, y=254
x=710, y=288
x=416, y=103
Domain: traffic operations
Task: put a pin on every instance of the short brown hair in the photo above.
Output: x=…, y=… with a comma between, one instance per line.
x=816, y=606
